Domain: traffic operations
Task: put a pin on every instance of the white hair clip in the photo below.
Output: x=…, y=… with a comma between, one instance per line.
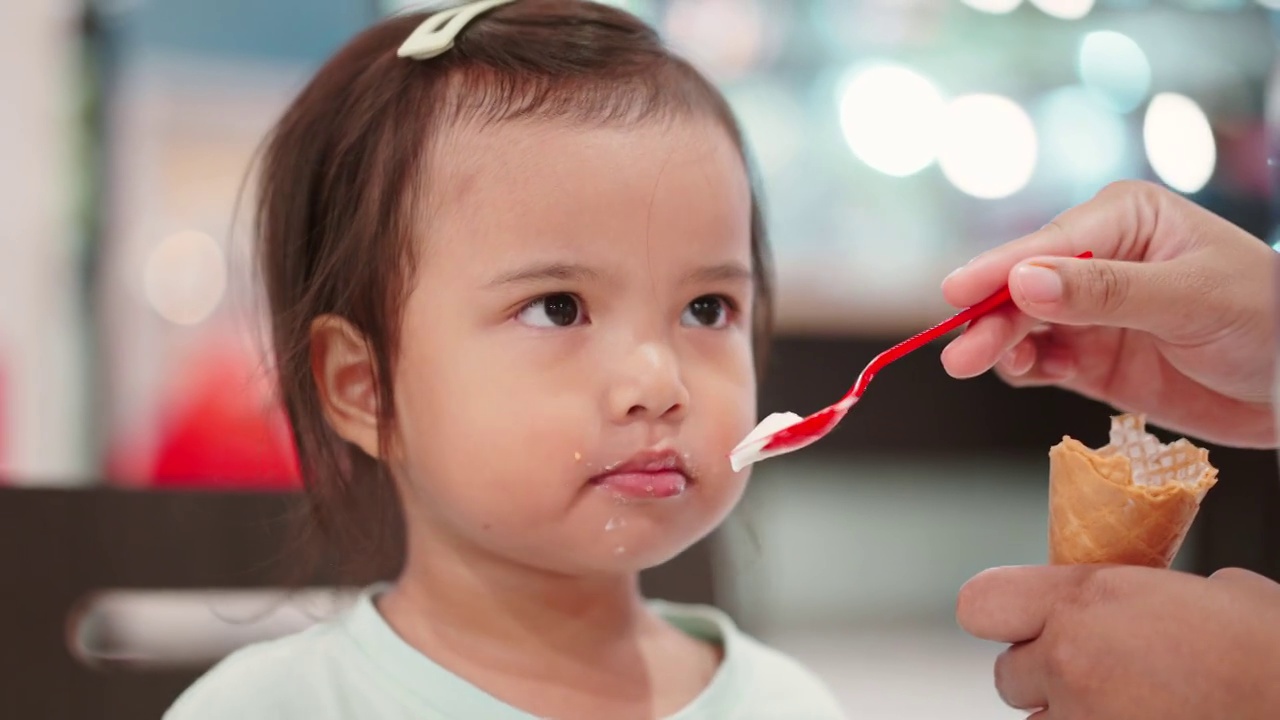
x=436, y=34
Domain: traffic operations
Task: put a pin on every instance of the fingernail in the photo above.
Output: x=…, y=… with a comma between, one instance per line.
x=1007, y=363
x=1038, y=284
x=958, y=270
x=1013, y=362
x=1058, y=367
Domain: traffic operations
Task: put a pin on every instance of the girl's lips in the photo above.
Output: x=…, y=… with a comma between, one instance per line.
x=651, y=474
x=657, y=485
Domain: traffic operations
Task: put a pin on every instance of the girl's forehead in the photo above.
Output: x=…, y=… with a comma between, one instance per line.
x=569, y=187
x=514, y=152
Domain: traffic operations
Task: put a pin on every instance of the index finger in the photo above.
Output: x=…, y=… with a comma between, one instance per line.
x=1109, y=226
x=1011, y=604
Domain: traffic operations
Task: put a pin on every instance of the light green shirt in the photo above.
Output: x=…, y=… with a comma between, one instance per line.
x=355, y=667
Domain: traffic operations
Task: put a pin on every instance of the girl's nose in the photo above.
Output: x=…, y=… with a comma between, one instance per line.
x=648, y=385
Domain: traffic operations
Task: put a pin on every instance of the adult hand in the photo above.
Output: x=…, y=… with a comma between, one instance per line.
x=1130, y=643
x=1173, y=318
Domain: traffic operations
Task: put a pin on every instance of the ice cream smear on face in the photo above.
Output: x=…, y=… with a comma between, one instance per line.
x=751, y=449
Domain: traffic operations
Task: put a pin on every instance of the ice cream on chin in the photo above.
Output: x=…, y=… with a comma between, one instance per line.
x=1130, y=502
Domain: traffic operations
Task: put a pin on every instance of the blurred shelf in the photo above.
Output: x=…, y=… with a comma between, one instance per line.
x=834, y=301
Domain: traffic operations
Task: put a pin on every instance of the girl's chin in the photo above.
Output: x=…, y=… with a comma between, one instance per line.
x=620, y=557
x=633, y=554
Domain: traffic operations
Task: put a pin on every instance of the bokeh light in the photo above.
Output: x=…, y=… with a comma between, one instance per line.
x=890, y=116
x=1179, y=142
x=995, y=7
x=185, y=277
x=1083, y=142
x=988, y=147
x=725, y=38
x=773, y=122
x=643, y=9
x=1114, y=66
x=1064, y=9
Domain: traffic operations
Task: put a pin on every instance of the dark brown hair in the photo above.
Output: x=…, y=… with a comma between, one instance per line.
x=342, y=173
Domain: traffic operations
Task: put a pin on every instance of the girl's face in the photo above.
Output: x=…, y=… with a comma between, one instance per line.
x=576, y=358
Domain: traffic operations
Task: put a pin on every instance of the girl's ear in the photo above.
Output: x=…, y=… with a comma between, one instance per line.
x=347, y=381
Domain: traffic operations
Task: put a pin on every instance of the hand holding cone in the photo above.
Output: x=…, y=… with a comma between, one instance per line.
x=1130, y=502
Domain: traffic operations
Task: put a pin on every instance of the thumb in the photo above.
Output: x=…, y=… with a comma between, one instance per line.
x=1245, y=579
x=1113, y=293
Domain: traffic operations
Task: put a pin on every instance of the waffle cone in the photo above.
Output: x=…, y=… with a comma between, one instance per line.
x=1130, y=502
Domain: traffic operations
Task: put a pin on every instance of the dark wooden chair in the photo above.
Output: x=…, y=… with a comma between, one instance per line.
x=62, y=545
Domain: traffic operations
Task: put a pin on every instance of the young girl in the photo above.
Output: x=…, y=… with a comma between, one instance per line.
x=515, y=270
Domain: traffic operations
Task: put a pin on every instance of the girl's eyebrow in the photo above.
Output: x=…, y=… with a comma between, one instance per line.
x=722, y=272
x=572, y=272
x=564, y=272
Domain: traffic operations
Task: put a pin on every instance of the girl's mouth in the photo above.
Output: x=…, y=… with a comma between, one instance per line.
x=648, y=475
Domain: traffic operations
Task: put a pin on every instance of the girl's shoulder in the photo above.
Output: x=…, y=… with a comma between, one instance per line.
x=272, y=679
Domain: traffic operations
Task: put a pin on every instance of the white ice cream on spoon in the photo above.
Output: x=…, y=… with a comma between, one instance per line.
x=751, y=449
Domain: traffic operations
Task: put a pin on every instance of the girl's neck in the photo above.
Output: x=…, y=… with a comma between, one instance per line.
x=551, y=644
x=473, y=597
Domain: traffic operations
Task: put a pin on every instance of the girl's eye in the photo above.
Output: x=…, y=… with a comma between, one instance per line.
x=558, y=310
x=709, y=311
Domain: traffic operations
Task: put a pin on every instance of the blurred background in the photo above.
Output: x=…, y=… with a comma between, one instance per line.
x=894, y=140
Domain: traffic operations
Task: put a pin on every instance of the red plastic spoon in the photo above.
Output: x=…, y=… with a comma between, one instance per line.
x=781, y=433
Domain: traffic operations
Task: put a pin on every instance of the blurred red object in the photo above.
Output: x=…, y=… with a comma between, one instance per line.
x=224, y=430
